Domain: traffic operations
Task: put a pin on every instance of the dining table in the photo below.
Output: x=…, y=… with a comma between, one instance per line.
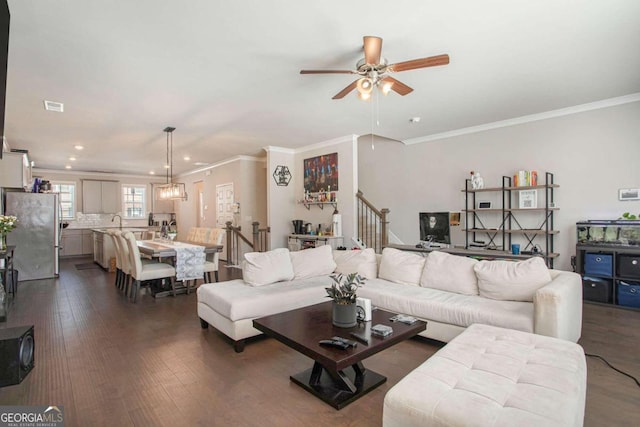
x=168, y=249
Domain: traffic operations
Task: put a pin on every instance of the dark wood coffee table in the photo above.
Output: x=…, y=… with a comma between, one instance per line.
x=329, y=379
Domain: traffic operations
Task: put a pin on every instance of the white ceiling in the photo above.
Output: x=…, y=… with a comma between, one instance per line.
x=226, y=73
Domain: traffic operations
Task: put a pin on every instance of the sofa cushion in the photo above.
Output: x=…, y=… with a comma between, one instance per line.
x=447, y=307
x=401, y=266
x=451, y=273
x=362, y=262
x=263, y=268
x=235, y=300
x=512, y=281
x=312, y=262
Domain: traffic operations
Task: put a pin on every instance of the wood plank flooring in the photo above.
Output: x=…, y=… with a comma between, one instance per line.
x=110, y=362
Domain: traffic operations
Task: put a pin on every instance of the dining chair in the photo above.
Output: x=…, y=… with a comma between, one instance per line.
x=119, y=282
x=191, y=236
x=144, y=272
x=216, y=236
x=201, y=235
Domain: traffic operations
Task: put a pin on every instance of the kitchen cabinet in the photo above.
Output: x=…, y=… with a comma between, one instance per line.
x=100, y=196
x=76, y=242
x=103, y=249
x=15, y=170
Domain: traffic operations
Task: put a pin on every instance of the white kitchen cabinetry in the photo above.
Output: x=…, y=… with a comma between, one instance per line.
x=71, y=243
x=76, y=242
x=103, y=249
x=100, y=196
x=15, y=170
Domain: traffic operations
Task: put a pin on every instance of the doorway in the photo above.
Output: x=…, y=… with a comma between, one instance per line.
x=224, y=204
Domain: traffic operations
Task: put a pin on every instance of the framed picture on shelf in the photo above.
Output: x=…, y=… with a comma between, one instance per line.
x=629, y=194
x=527, y=199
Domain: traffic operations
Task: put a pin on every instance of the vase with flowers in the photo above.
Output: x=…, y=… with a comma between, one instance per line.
x=343, y=293
x=7, y=223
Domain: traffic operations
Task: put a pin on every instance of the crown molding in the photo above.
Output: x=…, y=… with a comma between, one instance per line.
x=224, y=162
x=605, y=103
x=152, y=178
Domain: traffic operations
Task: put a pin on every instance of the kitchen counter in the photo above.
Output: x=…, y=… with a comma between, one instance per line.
x=132, y=229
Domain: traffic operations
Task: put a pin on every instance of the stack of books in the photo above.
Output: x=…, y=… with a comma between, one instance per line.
x=525, y=178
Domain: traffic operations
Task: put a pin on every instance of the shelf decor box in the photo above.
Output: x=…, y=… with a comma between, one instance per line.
x=629, y=266
x=597, y=289
x=598, y=264
x=628, y=294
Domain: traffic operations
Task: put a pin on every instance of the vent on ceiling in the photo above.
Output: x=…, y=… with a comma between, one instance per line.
x=54, y=106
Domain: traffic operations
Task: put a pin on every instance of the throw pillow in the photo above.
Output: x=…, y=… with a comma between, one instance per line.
x=401, y=266
x=312, y=262
x=512, y=281
x=361, y=261
x=452, y=273
x=264, y=268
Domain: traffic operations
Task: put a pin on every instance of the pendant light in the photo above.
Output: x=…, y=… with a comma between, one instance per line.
x=171, y=190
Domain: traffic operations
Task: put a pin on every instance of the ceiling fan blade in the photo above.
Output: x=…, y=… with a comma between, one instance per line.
x=326, y=72
x=431, y=61
x=372, y=49
x=398, y=86
x=346, y=90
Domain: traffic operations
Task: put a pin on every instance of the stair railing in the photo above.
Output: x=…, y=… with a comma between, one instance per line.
x=373, y=224
x=236, y=241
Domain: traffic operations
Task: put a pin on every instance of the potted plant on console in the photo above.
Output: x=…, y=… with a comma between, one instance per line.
x=343, y=293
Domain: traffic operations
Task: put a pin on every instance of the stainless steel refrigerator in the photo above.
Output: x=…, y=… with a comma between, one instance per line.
x=37, y=236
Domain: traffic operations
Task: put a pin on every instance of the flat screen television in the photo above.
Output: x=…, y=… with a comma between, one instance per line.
x=434, y=227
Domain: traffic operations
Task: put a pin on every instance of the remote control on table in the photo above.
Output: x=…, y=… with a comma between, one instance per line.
x=347, y=341
x=334, y=343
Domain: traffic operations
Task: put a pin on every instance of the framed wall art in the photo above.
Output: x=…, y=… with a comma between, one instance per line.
x=528, y=199
x=321, y=173
x=629, y=194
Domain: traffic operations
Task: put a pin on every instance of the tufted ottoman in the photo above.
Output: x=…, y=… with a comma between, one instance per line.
x=489, y=376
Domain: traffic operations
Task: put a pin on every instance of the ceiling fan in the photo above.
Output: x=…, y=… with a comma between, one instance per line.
x=374, y=71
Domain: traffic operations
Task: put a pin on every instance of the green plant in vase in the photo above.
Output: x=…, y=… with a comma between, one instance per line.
x=343, y=293
x=7, y=223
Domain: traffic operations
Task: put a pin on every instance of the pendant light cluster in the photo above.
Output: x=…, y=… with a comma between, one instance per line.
x=171, y=190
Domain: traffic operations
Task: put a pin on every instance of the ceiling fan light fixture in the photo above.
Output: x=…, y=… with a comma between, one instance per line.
x=364, y=96
x=365, y=85
x=385, y=87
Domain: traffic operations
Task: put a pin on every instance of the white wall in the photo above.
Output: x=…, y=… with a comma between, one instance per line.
x=592, y=155
x=281, y=200
x=247, y=176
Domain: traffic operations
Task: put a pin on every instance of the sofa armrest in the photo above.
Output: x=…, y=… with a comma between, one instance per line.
x=558, y=307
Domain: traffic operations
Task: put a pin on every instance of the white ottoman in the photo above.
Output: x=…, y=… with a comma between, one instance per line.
x=489, y=376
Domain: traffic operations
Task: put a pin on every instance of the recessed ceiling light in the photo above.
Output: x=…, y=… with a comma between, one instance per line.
x=78, y=147
x=414, y=119
x=186, y=158
x=152, y=173
x=167, y=166
x=58, y=107
x=73, y=159
x=68, y=167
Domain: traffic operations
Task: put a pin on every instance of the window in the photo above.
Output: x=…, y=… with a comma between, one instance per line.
x=67, y=192
x=133, y=201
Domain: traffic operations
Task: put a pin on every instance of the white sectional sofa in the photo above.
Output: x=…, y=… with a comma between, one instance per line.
x=448, y=291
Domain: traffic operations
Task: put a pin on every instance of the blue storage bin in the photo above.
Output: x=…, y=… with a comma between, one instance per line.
x=628, y=294
x=597, y=264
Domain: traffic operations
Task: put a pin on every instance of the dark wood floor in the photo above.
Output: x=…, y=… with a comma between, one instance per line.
x=110, y=362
